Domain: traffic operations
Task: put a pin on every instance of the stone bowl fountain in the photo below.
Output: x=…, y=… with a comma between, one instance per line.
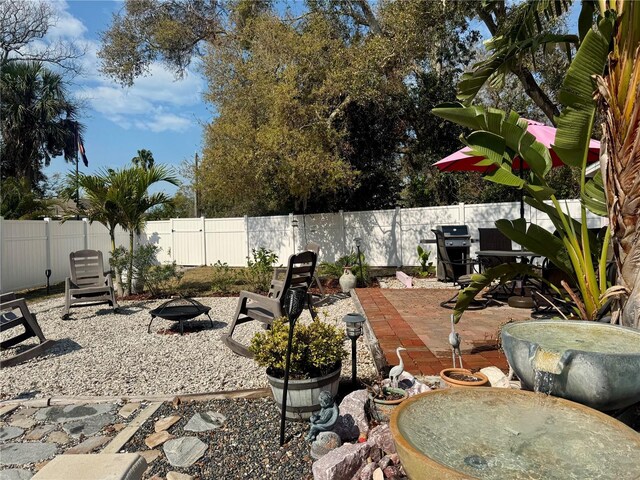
x=495, y=433
x=592, y=363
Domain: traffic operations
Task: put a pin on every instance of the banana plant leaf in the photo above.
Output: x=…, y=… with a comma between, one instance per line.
x=593, y=196
x=504, y=272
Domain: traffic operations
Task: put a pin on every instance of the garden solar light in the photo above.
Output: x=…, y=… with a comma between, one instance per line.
x=354, y=331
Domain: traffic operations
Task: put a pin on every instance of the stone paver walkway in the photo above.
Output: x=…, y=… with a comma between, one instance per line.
x=414, y=319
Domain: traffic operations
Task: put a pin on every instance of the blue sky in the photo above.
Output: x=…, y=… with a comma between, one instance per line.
x=158, y=113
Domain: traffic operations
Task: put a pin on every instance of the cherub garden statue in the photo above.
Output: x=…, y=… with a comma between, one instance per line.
x=324, y=420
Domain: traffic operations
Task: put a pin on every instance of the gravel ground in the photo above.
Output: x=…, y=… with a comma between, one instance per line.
x=393, y=282
x=246, y=446
x=102, y=353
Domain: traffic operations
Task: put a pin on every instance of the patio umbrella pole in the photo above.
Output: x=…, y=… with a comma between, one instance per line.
x=295, y=303
x=521, y=194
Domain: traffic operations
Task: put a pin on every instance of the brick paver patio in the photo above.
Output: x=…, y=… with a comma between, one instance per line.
x=414, y=319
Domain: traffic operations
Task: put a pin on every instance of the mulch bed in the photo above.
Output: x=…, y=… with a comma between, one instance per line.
x=246, y=446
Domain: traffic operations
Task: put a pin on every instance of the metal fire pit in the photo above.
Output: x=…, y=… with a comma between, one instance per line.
x=179, y=310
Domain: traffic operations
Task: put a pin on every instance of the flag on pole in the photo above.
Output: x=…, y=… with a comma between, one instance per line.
x=83, y=153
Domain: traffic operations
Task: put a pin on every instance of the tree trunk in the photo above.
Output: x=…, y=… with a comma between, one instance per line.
x=116, y=274
x=130, y=269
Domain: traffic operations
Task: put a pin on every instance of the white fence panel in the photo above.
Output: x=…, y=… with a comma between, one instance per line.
x=159, y=233
x=273, y=233
x=66, y=238
x=23, y=255
x=326, y=230
x=417, y=224
x=380, y=235
x=226, y=241
x=188, y=244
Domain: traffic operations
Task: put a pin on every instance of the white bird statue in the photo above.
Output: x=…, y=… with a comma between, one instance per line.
x=396, y=371
x=454, y=340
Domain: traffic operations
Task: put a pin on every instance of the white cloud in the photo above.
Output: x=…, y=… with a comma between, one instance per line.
x=65, y=26
x=163, y=122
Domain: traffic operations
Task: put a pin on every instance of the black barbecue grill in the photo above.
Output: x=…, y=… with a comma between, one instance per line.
x=458, y=244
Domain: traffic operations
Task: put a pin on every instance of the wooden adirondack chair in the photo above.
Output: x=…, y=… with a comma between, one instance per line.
x=15, y=313
x=264, y=309
x=89, y=283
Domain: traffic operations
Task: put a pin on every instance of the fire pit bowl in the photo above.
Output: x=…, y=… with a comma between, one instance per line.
x=496, y=433
x=592, y=363
x=179, y=310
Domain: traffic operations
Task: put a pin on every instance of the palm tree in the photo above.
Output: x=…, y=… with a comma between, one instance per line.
x=144, y=159
x=38, y=121
x=135, y=201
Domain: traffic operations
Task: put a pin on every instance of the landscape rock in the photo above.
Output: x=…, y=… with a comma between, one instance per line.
x=184, y=451
x=158, y=438
x=496, y=377
x=341, y=463
x=203, y=422
x=128, y=409
x=58, y=437
x=39, y=432
x=166, y=422
x=324, y=443
x=89, y=425
x=149, y=455
x=391, y=471
x=366, y=473
x=178, y=476
x=378, y=474
x=375, y=454
x=8, y=433
x=88, y=446
x=26, y=412
x=23, y=453
x=352, y=422
x=70, y=413
x=381, y=437
x=15, y=474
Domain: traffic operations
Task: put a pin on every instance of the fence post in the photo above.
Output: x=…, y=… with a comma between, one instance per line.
x=246, y=231
x=343, y=232
x=397, y=218
x=461, y=214
x=47, y=234
x=1, y=251
x=204, y=240
x=292, y=233
x=85, y=233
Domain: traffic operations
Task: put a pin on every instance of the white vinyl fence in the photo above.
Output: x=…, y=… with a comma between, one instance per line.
x=389, y=237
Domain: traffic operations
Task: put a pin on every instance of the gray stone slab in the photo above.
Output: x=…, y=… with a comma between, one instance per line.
x=58, y=437
x=15, y=474
x=88, y=426
x=23, y=453
x=71, y=413
x=39, y=432
x=7, y=433
x=203, y=422
x=88, y=446
x=22, y=422
x=184, y=451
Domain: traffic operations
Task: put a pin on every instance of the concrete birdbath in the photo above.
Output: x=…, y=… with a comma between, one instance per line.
x=494, y=433
x=592, y=363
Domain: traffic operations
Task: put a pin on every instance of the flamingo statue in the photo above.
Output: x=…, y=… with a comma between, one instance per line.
x=396, y=371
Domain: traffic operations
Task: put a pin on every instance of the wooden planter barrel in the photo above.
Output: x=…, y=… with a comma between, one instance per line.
x=302, y=395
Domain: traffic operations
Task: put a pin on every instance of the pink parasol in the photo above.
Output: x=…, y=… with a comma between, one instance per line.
x=462, y=161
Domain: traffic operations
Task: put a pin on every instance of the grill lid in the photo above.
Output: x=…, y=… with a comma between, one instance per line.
x=454, y=230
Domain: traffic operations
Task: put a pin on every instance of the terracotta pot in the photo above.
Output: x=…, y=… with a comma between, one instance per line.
x=381, y=409
x=481, y=378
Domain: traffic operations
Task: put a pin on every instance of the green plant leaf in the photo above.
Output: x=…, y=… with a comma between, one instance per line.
x=488, y=145
x=576, y=121
x=504, y=272
x=593, y=197
x=504, y=176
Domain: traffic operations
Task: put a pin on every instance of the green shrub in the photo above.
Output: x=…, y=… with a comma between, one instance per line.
x=336, y=269
x=224, y=277
x=426, y=267
x=258, y=274
x=317, y=348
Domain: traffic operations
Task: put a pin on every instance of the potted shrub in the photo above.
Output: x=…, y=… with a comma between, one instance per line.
x=316, y=359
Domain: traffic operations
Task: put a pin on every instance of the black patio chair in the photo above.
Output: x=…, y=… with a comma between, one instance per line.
x=453, y=272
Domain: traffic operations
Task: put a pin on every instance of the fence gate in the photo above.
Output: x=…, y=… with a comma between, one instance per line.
x=188, y=241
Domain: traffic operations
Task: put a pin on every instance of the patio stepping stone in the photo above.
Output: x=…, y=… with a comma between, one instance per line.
x=158, y=438
x=166, y=422
x=88, y=426
x=22, y=422
x=39, y=432
x=203, y=422
x=178, y=476
x=128, y=409
x=89, y=445
x=23, y=453
x=150, y=455
x=58, y=437
x=184, y=451
x=15, y=474
x=70, y=413
x=7, y=433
